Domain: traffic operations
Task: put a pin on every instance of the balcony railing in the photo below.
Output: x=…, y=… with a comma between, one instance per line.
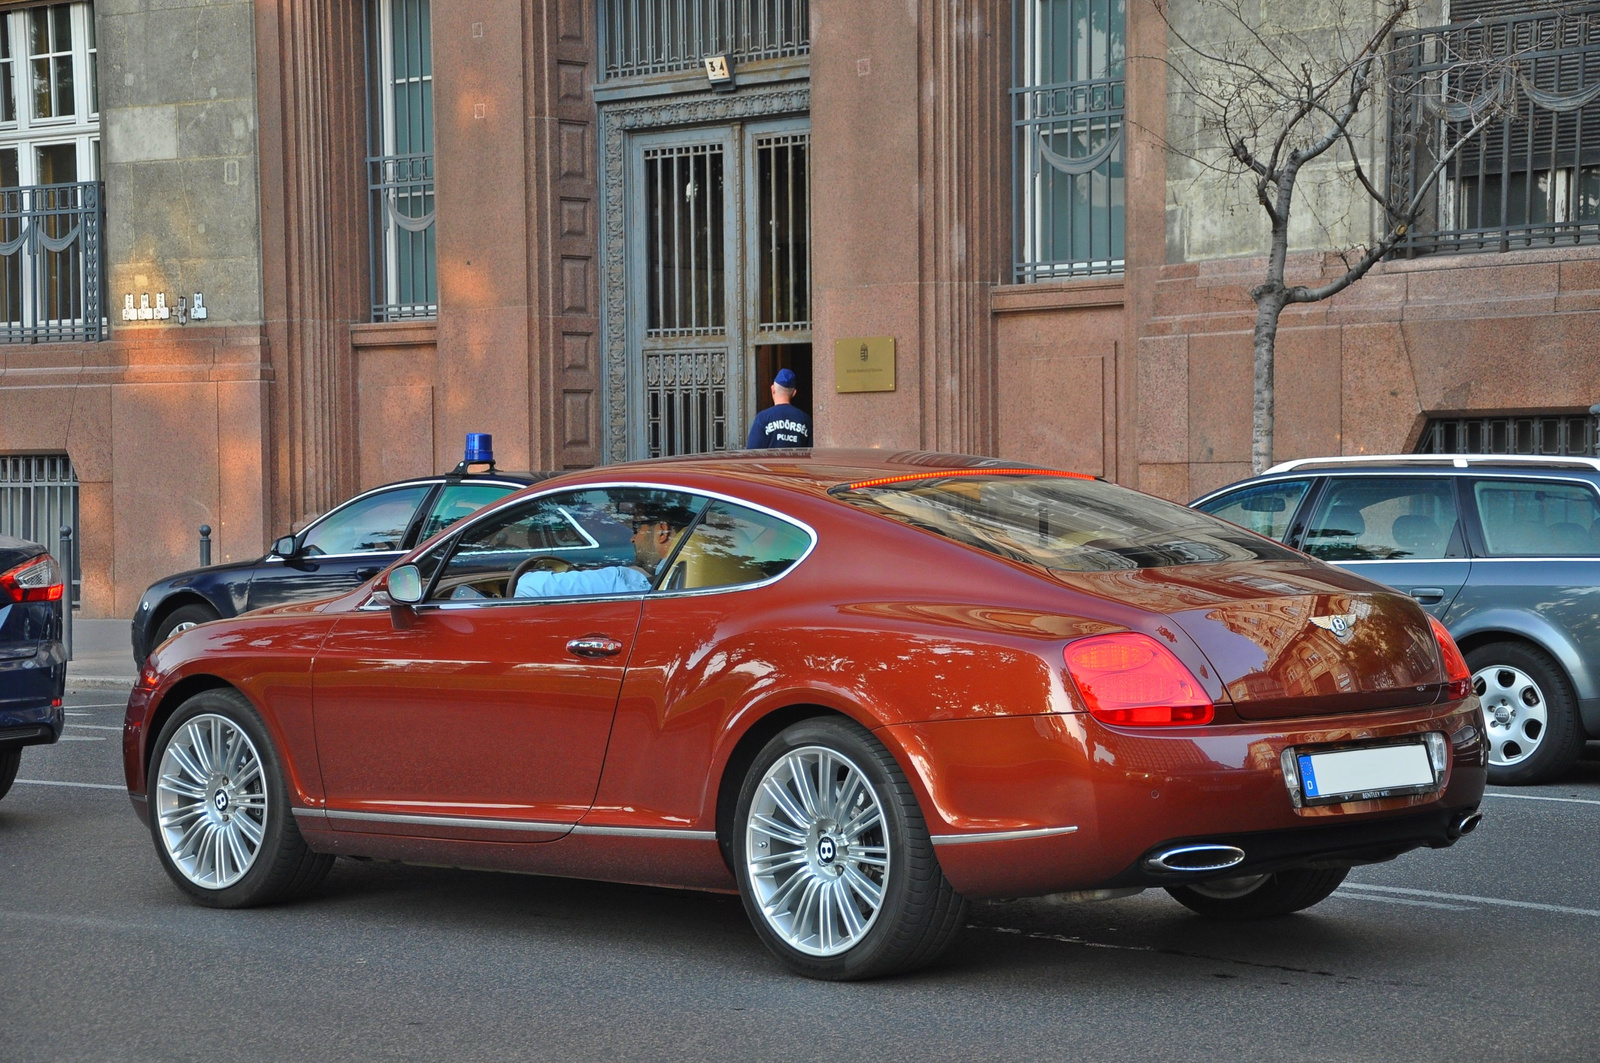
x=52, y=263
x=405, y=281
x=1531, y=177
x=660, y=36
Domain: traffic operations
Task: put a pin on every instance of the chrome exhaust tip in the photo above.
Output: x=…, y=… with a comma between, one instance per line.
x=1466, y=823
x=1194, y=858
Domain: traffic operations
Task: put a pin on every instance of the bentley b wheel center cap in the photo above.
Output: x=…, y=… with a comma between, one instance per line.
x=827, y=850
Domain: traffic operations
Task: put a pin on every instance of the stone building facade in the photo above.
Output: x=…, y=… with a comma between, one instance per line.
x=543, y=219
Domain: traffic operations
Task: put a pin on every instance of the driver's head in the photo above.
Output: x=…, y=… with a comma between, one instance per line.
x=655, y=531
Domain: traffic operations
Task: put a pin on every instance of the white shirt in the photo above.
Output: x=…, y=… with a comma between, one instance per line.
x=618, y=579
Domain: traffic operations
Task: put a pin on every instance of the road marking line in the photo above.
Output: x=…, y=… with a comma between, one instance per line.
x=96, y=726
x=81, y=738
x=112, y=705
x=86, y=785
x=1477, y=900
x=1341, y=894
x=80, y=714
x=1536, y=797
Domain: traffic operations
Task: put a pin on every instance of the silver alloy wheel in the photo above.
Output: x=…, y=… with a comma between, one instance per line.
x=816, y=848
x=178, y=629
x=211, y=800
x=1229, y=889
x=1515, y=710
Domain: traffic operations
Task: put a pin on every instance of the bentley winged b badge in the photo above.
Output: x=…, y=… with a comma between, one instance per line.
x=1339, y=623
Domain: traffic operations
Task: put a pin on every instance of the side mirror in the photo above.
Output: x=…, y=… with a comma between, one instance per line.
x=285, y=547
x=405, y=585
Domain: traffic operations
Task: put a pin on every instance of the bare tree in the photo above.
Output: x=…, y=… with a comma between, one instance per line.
x=1268, y=102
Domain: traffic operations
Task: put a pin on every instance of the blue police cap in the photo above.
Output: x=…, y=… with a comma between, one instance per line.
x=784, y=379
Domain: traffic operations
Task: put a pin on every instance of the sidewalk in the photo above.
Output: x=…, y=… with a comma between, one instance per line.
x=102, y=656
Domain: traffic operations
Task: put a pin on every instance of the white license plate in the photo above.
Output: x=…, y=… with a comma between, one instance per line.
x=1365, y=774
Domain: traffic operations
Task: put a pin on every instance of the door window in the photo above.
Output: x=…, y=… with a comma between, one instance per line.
x=733, y=545
x=1385, y=519
x=456, y=501
x=1538, y=518
x=375, y=522
x=1264, y=508
x=575, y=544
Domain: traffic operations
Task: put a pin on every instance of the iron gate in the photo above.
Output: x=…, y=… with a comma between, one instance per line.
x=38, y=494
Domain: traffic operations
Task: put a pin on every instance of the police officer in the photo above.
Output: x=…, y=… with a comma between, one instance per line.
x=783, y=424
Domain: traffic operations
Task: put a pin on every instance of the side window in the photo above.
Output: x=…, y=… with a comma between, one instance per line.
x=1265, y=508
x=459, y=500
x=733, y=545
x=1385, y=519
x=376, y=522
x=575, y=544
x=1538, y=518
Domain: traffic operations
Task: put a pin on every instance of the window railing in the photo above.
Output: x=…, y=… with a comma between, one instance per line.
x=52, y=263
x=1535, y=435
x=1531, y=177
x=660, y=36
x=405, y=281
x=1069, y=105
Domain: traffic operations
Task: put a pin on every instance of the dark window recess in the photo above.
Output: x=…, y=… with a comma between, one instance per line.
x=1530, y=434
x=661, y=36
x=1530, y=178
x=39, y=494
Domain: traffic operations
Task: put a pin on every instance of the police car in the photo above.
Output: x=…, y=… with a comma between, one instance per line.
x=338, y=552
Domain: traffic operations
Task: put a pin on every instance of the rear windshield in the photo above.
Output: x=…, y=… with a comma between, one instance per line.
x=1076, y=525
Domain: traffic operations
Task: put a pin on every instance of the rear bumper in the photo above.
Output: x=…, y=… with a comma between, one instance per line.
x=1023, y=806
x=31, y=690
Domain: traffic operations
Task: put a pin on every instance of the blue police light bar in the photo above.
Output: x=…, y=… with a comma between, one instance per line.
x=480, y=448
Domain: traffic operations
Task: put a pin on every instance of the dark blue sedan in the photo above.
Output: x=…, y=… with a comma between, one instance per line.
x=337, y=553
x=33, y=662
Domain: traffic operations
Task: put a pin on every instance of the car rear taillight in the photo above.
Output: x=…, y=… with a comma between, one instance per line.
x=1132, y=680
x=38, y=580
x=1457, y=675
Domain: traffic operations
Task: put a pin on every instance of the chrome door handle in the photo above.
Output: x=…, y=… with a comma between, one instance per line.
x=1427, y=594
x=594, y=646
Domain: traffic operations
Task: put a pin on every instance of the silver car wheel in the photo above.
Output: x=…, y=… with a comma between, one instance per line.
x=817, y=851
x=178, y=629
x=211, y=800
x=1515, y=711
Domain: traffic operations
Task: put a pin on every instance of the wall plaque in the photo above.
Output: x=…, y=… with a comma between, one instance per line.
x=865, y=363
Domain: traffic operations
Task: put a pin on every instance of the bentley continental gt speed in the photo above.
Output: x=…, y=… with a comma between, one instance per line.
x=857, y=688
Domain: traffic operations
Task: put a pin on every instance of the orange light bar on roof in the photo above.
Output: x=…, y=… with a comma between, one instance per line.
x=965, y=472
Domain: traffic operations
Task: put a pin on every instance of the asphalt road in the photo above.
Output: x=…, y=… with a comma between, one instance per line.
x=1489, y=950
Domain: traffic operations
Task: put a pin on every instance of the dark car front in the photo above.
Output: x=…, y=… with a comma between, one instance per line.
x=33, y=662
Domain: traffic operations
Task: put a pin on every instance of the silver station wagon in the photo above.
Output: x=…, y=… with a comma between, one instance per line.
x=1504, y=550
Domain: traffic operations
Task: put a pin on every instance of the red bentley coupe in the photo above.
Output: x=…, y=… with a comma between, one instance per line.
x=856, y=687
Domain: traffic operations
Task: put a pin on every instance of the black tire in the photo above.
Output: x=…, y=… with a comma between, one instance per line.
x=1275, y=894
x=1560, y=742
x=284, y=867
x=920, y=914
x=10, y=759
x=192, y=614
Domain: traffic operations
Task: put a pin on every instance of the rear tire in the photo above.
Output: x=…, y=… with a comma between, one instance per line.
x=220, y=812
x=1530, y=712
x=1276, y=894
x=834, y=862
x=9, y=761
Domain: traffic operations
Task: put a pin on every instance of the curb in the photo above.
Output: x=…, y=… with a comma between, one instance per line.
x=77, y=683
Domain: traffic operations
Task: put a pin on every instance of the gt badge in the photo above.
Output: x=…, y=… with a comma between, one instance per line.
x=1339, y=623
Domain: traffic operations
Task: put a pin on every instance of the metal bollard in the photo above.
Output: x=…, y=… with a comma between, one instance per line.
x=205, y=545
x=67, y=571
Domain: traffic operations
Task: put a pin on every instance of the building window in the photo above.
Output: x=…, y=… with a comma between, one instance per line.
x=1532, y=435
x=405, y=282
x=663, y=36
x=52, y=272
x=1069, y=101
x=38, y=495
x=1531, y=178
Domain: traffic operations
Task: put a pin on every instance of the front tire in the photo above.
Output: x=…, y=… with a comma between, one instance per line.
x=834, y=862
x=1530, y=713
x=10, y=759
x=220, y=809
x=182, y=619
x=1260, y=896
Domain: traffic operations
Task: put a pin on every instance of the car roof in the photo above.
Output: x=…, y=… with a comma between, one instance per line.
x=1519, y=462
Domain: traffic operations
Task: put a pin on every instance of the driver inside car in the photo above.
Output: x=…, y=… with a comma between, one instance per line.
x=655, y=534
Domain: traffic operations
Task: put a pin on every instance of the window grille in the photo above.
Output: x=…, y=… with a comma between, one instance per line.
x=52, y=214
x=1529, y=179
x=405, y=280
x=38, y=494
x=686, y=401
x=685, y=244
x=1533, y=435
x=660, y=36
x=1069, y=102
x=784, y=232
